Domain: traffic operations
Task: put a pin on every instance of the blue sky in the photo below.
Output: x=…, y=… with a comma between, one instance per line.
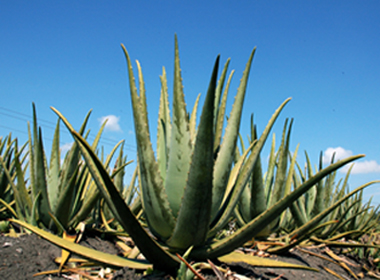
x=323, y=54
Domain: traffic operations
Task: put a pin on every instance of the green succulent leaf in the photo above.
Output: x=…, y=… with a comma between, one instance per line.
x=194, y=215
x=226, y=154
x=53, y=180
x=163, y=127
x=257, y=193
x=218, y=93
x=155, y=201
x=193, y=120
x=43, y=206
x=180, y=143
x=150, y=248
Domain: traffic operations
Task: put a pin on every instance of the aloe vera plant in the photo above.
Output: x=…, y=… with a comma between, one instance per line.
x=323, y=211
x=324, y=194
x=60, y=195
x=190, y=189
x=281, y=176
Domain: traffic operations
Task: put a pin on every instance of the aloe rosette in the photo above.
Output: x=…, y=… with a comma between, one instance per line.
x=57, y=195
x=191, y=187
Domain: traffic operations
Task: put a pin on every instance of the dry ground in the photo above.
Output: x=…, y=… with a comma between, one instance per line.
x=21, y=258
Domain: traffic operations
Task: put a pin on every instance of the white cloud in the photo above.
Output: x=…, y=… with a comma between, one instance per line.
x=360, y=167
x=112, y=122
x=66, y=147
x=340, y=153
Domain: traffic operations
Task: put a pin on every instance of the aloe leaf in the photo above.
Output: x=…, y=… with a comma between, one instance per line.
x=246, y=171
x=142, y=96
x=245, y=198
x=218, y=91
x=235, y=257
x=58, y=225
x=309, y=201
x=243, y=234
x=32, y=153
x=220, y=104
x=65, y=199
x=258, y=199
x=226, y=154
x=290, y=176
x=8, y=206
x=3, y=142
x=290, y=179
x=280, y=180
x=88, y=253
x=54, y=170
x=31, y=163
x=155, y=203
x=221, y=113
x=151, y=250
x=43, y=206
x=320, y=195
x=163, y=127
x=193, y=120
x=344, y=244
x=243, y=208
x=281, y=171
x=38, y=171
x=194, y=216
x=180, y=143
x=269, y=176
x=96, y=141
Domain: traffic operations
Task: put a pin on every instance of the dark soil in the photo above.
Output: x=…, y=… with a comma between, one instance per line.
x=21, y=258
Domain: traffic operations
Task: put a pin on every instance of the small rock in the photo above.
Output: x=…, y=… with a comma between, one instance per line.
x=7, y=244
